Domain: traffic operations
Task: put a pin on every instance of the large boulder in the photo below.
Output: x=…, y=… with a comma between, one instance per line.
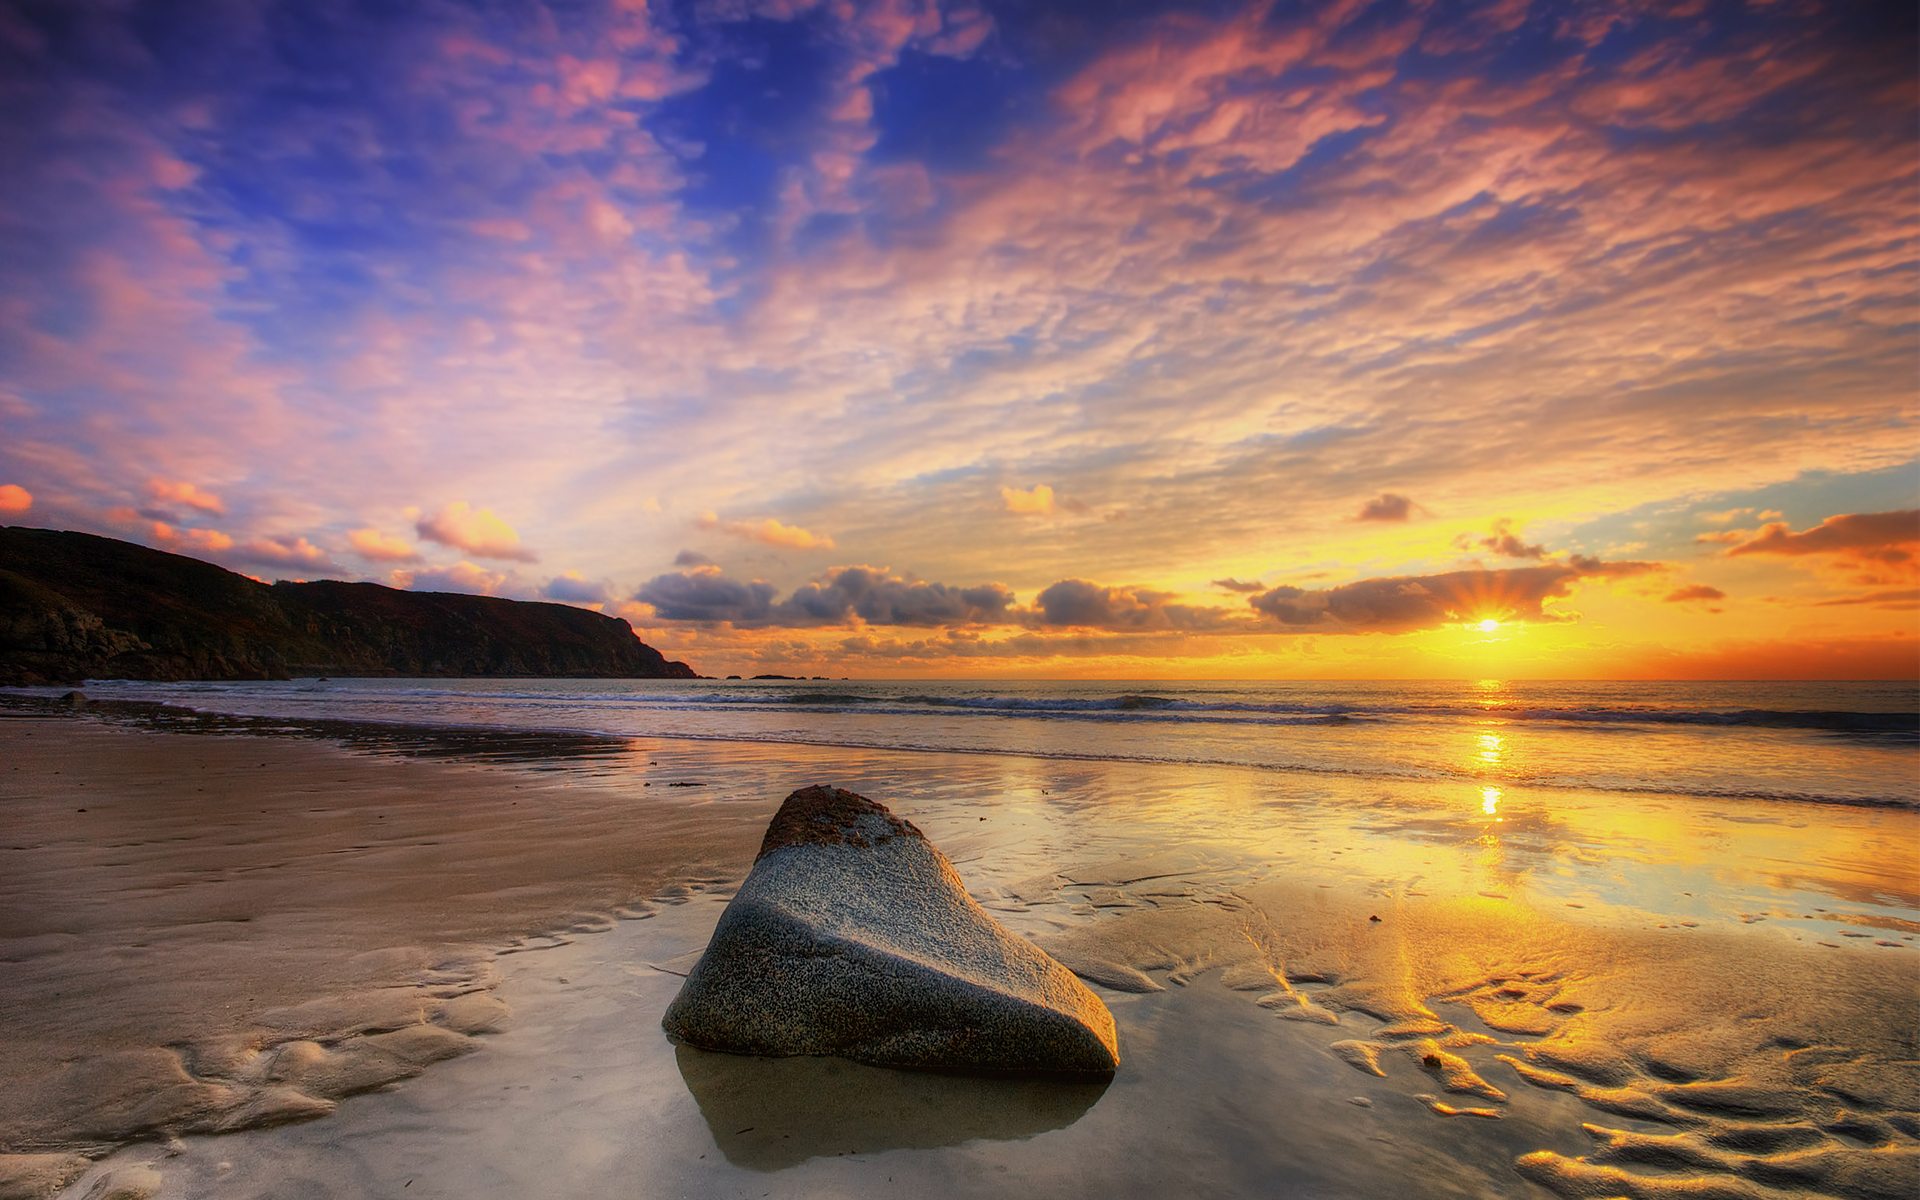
x=853, y=936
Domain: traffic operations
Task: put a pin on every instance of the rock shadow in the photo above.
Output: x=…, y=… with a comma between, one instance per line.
x=767, y=1114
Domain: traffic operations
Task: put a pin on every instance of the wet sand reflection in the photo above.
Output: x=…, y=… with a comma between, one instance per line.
x=767, y=1114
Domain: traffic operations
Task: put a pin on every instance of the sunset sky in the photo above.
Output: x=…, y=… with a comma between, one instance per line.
x=1110, y=338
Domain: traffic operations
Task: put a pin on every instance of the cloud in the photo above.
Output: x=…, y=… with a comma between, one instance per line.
x=1076, y=602
x=1229, y=267
x=1891, y=598
x=769, y=531
x=570, y=587
x=14, y=498
x=281, y=552
x=202, y=541
x=1399, y=604
x=878, y=597
x=478, y=532
x=1036, y=501
x=841, y=596
x=460, y=577
x=691, y=558
x=1879, y=537
x=1505, y=544
x=704, y=594
x=1240, y=585
x=380, y=547
x=1389, y=507
x=181, y=492
x=1695, y=591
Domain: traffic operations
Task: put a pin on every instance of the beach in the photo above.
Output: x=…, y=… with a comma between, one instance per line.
x=370, y=959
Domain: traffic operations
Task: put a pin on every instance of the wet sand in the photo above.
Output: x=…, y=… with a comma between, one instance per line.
x=1564, y=994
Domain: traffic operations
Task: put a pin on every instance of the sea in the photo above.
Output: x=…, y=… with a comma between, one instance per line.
x=1845, y=743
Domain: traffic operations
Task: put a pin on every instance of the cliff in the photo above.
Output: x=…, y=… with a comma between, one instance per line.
x=75, y=606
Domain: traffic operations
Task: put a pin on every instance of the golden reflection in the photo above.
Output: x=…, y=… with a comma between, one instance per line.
x=1492, y=746
x=1490, y=801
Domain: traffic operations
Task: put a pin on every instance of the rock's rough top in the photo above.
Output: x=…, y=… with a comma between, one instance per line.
x=854, y=936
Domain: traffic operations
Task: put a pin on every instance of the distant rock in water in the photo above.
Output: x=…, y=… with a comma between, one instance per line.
x=854, y=936
x=74, y=606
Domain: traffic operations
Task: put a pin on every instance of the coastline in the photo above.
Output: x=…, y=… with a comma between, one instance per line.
x=1567, y=884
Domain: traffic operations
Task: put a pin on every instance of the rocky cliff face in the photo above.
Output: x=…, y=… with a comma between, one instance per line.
x=74, y=606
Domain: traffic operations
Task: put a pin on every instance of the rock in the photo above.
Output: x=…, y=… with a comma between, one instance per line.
x=126, y=1183
x=36, y=1176
x=853, y=936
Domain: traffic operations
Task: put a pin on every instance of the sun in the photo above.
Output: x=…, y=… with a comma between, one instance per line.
x=1489, y=625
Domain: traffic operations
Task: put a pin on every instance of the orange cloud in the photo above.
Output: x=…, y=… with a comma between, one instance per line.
x=1389, y=507
x=1900, y=599
x=477, y=531
x=1504, y=543
x=1397, y=604
x=14, y=498
x=380, y=547
x=181, y=492
x=1876, y=536
x=1078, y=603
x=769, y=531
x=1035, y=502
x=298, y=552
x=1696, y=591
x=460, y=577
x=204, y=540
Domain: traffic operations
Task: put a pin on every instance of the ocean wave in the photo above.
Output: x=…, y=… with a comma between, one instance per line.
x=1142, y=706
x=1404, y=773
x=1148, y=707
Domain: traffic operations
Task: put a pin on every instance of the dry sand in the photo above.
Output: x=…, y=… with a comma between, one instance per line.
x=1576, y=995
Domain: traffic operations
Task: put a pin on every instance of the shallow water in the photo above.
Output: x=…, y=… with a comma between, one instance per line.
x=1841, y=743
x=583, y=1096
x=1558, y=895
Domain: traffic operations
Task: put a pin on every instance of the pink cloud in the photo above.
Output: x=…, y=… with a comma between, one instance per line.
x=181, y=492
x=14, y=498
x=282, y=552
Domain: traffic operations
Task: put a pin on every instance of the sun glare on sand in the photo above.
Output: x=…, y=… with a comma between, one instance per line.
x=1489, y=625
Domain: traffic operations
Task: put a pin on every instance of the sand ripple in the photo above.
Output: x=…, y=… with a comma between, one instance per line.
x=1746, y=1065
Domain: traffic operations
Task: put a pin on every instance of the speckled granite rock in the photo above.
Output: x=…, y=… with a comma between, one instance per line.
x=853, y=936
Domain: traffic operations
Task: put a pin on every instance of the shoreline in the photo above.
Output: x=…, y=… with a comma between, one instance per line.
x=550, y=741
x=1031, y=838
